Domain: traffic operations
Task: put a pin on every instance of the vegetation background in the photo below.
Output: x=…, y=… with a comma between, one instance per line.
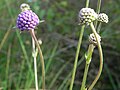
x=59, y=35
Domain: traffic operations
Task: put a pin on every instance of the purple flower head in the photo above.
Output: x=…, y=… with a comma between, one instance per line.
x=27, y=20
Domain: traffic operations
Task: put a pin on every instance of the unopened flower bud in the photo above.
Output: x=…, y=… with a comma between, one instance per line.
x=24, y=7
x=92, y=39
x=40, y=41
x=102, y=17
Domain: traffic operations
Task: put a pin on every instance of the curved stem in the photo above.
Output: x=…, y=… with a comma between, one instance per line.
x=76, y=57
x=35, y=63
x=88, y=60
x=41, y=58
x=101, y=58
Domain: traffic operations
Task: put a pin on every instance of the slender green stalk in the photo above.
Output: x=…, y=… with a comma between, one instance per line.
x=41, y=58
x=76, y=57
x=78, y=50
x=8, y=66
x=113, y=84
x=35, y=63
x=99, y=27
x=88, y=60
x=51, y=58
x=87, y=3
x=101, y=58
x=98, y=6
x=5, y=37
x=98, y=11
x=85, y=77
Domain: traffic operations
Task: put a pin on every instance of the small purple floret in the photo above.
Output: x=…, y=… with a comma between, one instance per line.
x=27, y=20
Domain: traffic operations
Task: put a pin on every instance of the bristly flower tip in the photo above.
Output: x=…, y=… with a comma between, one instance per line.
x=24, y=7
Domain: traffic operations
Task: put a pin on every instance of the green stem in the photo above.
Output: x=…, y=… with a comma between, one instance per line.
x=76, y=57
x=8, y=66
x=101, y=58
x=98, y=6
x=78, y=50
x=88, y=60
x=87, y=3
x=98, y=11
x=41, y=58
x=85, y=76
x=35, y=63
x=99, y=27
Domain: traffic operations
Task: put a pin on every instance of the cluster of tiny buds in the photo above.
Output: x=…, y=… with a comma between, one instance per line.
x=27, y=19
x=102, y=17
x=88, y=15
x=92, y=39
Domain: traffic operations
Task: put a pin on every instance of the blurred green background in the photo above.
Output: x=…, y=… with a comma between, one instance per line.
x=59, y=34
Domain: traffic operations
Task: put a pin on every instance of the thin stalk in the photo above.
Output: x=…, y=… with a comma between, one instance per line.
x=78, y=50
x=101, y=58
x=85, y=77
x=88, y=60
x=41, y=58
x=99, y=27
x=98, y=11
x=114, y=86
x=87, y=3
x=51, y=58
x=76, y=57
x=35, y=63
x=98, y=6
x=8, y=66
x=5, y=37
